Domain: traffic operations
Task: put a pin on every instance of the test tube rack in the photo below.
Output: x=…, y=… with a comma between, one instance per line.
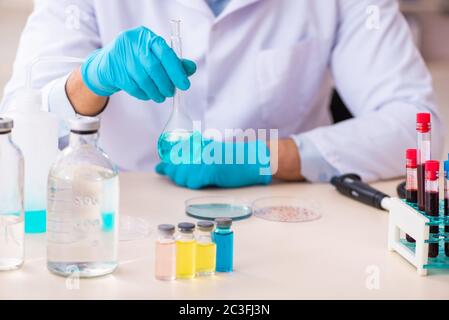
x=406, y=218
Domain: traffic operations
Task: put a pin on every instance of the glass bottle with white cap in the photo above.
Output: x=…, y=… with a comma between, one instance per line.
x=11, y=200
x=82, y=213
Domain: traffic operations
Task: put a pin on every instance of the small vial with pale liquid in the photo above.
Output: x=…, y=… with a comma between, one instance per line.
x=11, y=200
x=205, y=249
x=165, y=258
x=185, y=251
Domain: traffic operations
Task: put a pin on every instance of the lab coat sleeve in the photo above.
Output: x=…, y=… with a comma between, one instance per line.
x=314, y=167
x=383, y=80
x=56, y=28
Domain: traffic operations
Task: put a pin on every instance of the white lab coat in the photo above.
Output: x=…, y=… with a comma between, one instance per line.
x=261, y=64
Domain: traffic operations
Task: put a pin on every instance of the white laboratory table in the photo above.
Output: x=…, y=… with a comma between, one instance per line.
x=336, y=257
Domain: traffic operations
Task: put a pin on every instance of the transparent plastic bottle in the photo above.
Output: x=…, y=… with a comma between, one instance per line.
x=35, y=130
x=165, y=258
x=205, y=249
x=83, y=203
x=185, y=251
x=11, y=200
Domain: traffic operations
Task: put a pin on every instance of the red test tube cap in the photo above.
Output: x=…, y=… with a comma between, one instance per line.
x=432, y=168
x=411, y=155
x=423, y=122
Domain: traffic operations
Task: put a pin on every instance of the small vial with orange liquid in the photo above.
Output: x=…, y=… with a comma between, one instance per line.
x=165, y=258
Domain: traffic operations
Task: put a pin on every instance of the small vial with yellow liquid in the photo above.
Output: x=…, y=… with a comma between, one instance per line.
x=205, y=249
x=185, y=251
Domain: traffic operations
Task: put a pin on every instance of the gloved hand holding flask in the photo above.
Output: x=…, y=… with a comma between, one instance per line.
x=139, y=62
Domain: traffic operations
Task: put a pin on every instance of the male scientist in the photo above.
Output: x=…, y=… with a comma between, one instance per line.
x=252, y=64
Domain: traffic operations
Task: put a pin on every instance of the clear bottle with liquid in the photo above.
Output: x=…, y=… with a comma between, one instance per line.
x=11, y=200
x=83, y=203
x=35, y=130
x=165, y=258
x=205, y=249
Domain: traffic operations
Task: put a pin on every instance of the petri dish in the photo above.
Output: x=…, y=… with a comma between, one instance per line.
x=133, y=228
x=286, y=209
x=212, y=207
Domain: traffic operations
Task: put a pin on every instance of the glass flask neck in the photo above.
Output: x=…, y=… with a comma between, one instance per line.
x=77, y=139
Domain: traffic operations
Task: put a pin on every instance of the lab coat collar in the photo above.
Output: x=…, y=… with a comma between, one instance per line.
x=199, y=5
x=235, y=5
x=203, y=7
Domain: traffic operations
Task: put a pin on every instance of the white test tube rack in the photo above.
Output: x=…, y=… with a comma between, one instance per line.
x=405, y=218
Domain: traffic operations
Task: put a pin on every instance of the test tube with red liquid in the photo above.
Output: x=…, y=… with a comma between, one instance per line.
x=423, y=128
x=411, y=185
x=446, y=203
x=432, y=206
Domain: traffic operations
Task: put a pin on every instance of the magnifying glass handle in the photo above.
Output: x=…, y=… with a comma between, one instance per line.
x=352, y=186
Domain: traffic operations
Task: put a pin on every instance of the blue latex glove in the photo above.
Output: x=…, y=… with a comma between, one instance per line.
x=140, y=63
x=209, y=166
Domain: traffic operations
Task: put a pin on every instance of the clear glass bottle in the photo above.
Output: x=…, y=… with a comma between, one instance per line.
x=83, y=203
x=165, y=257
x=205, y=249
x=224, y=239
x=11, y=200
x=185, y=251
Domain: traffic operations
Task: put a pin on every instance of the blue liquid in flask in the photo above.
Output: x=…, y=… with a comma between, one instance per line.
x=170, y=140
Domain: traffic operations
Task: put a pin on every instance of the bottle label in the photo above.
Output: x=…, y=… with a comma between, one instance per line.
x=86, y=205
x=412, y=180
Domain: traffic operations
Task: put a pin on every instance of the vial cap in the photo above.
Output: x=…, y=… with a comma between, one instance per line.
x=205, y=225
x=423, y=122
x=223, y=222
x=432, y=168
x=186, y=227
x=410, y=155
x=85, y=124
x=6, y=124
x=166, y=228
